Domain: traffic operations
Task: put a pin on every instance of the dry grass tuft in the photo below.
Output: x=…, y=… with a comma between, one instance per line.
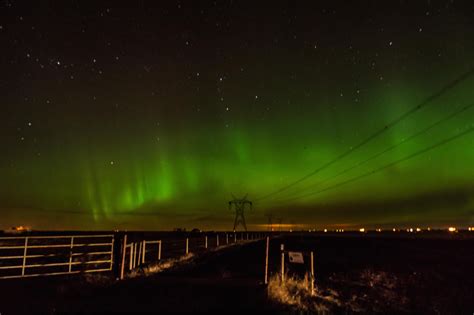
x=160, y=266
x=296, y=293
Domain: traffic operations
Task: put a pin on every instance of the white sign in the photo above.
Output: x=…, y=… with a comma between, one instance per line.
x=296, y=257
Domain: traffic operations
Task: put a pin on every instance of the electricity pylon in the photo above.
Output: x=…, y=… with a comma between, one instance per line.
x=270, y=222
x=280, y=221
x=239, y=205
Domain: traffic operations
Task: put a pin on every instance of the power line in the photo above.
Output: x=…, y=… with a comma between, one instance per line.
x=416, y=108
x=377, y=170
x=390, y=148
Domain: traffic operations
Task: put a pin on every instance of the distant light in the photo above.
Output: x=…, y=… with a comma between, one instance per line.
x=410, y=230
x=378, y=230
x=452, y=229
x=394, y=229
x=471, y=229
x=291, y=230
x=362, y=230
x=325, y=230
x=418, y=229
x=429, y=229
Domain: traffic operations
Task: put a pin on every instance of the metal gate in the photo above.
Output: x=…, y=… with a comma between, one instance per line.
x=31, y=256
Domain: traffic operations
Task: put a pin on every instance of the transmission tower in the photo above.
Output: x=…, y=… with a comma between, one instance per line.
x=239, y=205
x=270, y=222
x=280, y=221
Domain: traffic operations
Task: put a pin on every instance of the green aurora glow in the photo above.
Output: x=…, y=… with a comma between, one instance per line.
x=174, y=157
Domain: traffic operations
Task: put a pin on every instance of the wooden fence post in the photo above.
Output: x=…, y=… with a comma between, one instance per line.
x=217, y=240
x=124, y=252
x=266, y=261
x=312, y=273
x=159, y=250
x=144, y=251
x=131, y=257
x=205, y=241
x=226, y=239
x=139, y=260
x=135, y=256
x=187, y=245
x=282, y=247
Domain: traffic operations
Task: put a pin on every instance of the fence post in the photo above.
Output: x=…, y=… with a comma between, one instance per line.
x=24, y=256
x=144, y=251
x=205, y=241
x=140, y=247
x=187, y=245
x=235, y=237
x=282, y=247
x=266, y=261
x=124, y=252
x=70, y=253
x=217, y=240
x=131, y=257
x=135, y=255
x=159, y=250
x=312, y=273
x=226, y=239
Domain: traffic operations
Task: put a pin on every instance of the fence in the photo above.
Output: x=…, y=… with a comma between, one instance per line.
x=32, y=256
x=134, y=253
x=301, y=261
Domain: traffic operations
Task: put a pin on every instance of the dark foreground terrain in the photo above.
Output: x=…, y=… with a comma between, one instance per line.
x=354, y=274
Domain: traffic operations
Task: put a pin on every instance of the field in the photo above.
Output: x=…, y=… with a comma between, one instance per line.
x=429, y=273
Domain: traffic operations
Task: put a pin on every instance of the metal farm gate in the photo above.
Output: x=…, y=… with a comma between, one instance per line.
x=30, y=256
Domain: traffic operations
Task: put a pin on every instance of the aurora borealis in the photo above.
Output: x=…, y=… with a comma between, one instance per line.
x=150, y=115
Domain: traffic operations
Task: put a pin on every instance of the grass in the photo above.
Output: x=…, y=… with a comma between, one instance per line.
x=296, y=293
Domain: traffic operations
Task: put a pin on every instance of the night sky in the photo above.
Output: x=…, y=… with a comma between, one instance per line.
x=150, y=114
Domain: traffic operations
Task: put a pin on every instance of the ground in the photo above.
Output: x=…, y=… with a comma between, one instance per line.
x=354, y=274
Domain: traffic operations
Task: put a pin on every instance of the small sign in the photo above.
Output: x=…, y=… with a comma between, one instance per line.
x=296, y=257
